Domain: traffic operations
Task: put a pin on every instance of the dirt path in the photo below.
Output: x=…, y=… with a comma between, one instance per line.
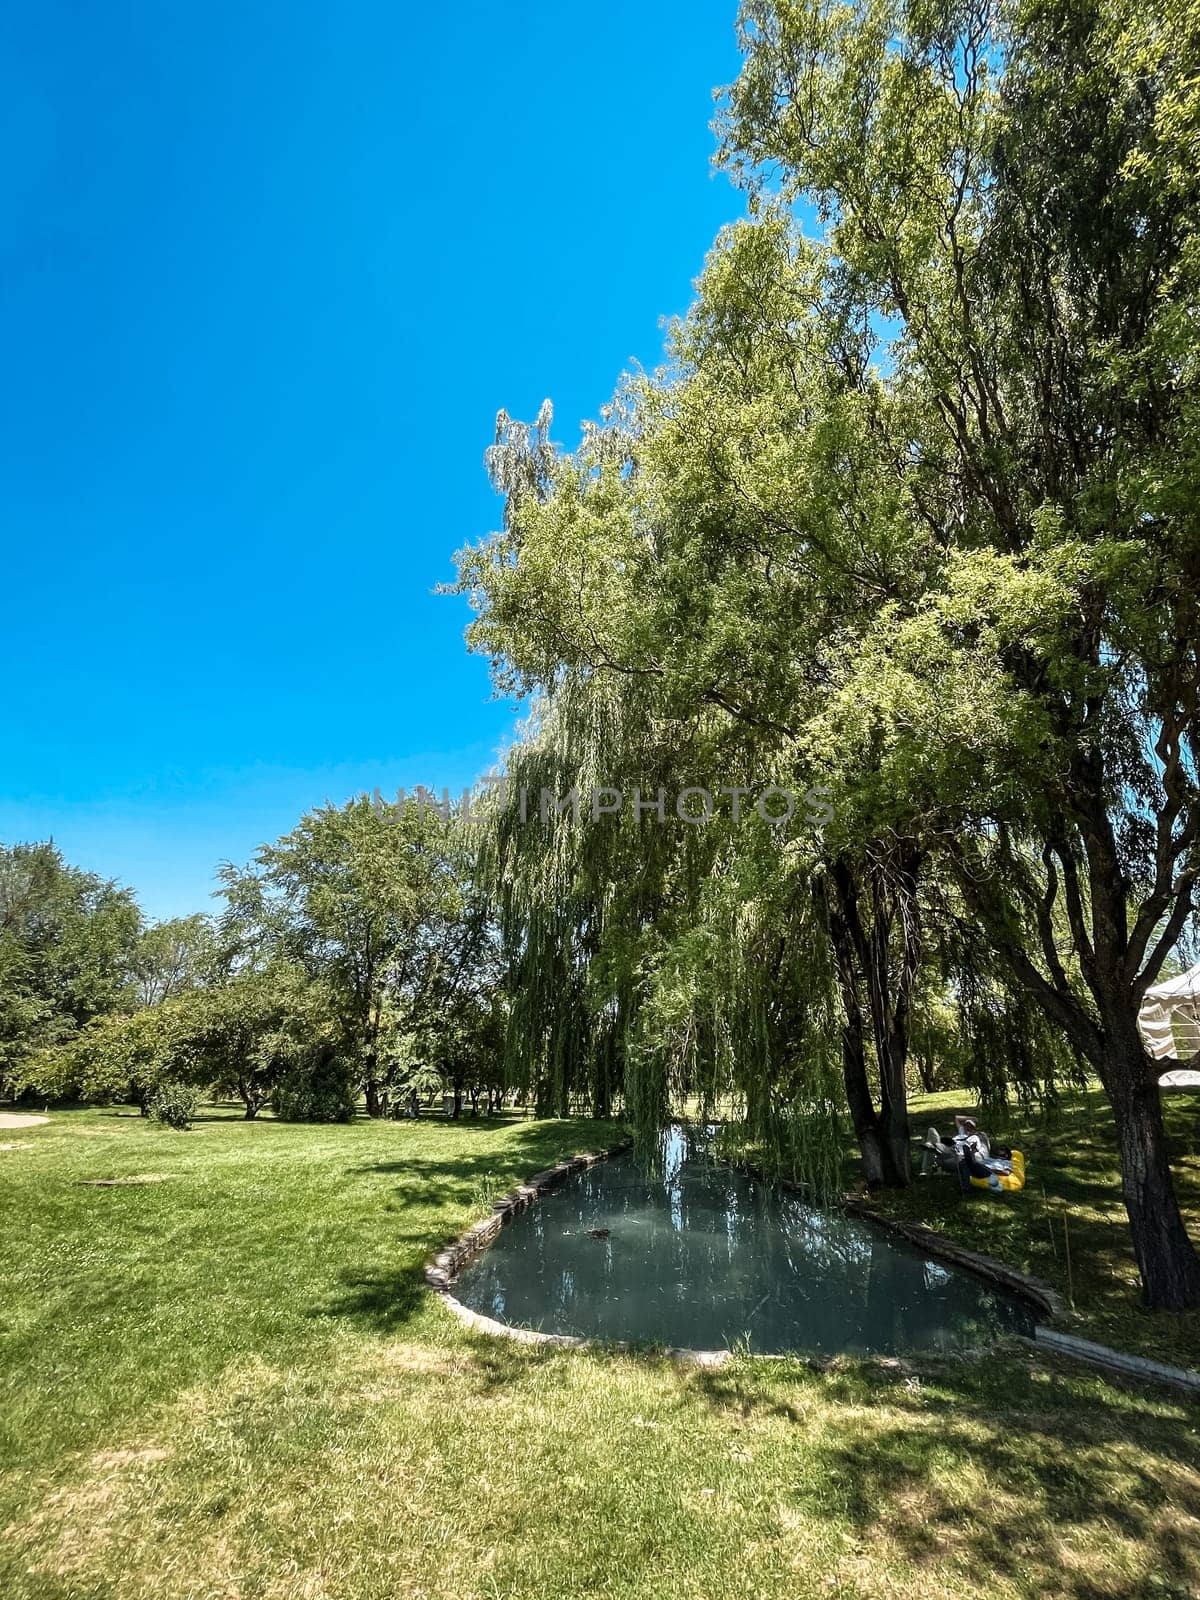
x=14, y=1120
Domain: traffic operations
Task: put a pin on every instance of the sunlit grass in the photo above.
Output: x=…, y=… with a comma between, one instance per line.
x=232, y=1383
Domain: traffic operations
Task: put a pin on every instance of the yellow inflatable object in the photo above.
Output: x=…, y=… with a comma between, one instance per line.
x=1012, y=1182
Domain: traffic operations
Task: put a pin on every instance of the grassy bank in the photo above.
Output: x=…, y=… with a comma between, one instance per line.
x=1068, y=1225
x=231, y=1383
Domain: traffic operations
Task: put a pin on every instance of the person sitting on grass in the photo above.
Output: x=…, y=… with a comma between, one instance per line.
x=968, y=1152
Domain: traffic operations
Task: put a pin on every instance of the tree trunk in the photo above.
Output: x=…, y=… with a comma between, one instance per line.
x=897, y=1142
x=875, y=1137
x=893, y=885
x=1166, y=1257
x=927, y=1068
x=893, y=1113
x=862, y=1109
x=371, y=1091
x=882, y=1136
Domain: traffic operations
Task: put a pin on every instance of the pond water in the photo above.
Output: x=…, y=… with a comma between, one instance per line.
x=699, y=1256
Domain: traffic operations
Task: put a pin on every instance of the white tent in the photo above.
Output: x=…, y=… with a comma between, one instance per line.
x=1170, y=1020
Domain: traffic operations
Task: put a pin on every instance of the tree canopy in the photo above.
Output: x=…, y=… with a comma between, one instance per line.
x=910, y=514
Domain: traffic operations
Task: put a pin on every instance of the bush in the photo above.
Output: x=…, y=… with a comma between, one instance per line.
x=173, y=1104
x=315, y=1090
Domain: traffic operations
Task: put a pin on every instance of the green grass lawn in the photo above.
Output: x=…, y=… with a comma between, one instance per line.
x=232, y=1383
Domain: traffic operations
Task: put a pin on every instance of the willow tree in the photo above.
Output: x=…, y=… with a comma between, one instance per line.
x=655, y=961
x=717, y=548
x=1012, y=191
x=652, y=959
x=914, y=510
x=573, y=896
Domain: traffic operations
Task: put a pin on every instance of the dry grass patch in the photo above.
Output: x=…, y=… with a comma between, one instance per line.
x=107, y=1460
x=118, y=1183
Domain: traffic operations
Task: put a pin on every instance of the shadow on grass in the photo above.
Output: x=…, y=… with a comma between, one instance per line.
x=383, y=1299
x=435, y=1197
x=1063, y=1471
x=1069, y=1224
x=453, y=1178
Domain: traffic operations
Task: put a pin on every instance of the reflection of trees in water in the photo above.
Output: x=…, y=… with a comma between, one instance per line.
x=565, y=1290
x=699, y=1254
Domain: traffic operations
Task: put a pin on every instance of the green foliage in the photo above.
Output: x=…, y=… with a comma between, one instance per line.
x=911, y=513
x=173, y=956
x=174, y=1104
x=121, y=1057
x=239, y=1037
x=242, y=1036
x=376, y=903
x=315, y=1088
x=66, y=944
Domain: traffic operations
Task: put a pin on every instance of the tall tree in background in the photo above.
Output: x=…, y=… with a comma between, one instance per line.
x=373, y=899
x=245, y=1035
x=173, y=956
x=67, y=940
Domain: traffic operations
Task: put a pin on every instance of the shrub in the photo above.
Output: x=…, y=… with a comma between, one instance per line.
x=173, y=1104
x=317, y=1089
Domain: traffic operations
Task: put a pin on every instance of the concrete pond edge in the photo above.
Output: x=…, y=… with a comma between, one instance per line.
x=939, y=1247
x=441, y=1269
x=445, y=1265
x=1046, y=1340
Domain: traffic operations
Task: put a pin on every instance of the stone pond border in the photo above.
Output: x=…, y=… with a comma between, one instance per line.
x=936, y=1245
x=443, y=1267
x=990, y=1268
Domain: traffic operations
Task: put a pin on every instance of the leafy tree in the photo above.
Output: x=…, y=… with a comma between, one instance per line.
x=244, y=1036
x=467, y=1048
x=27, y=1023
x=120, y=1057
x=913, y=512
x=172, y=956
x=1015, y=189
x=372, y=900
x=66, y=944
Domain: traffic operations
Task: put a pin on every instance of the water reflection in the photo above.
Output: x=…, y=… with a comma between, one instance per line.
x=700, y=1256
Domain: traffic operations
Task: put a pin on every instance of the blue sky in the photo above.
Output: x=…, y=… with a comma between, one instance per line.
x=267, y=272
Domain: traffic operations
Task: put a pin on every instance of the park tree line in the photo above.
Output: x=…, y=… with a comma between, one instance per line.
x=353, y=960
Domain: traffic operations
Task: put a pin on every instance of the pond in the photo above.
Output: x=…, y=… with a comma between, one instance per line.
x=699, y=1256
